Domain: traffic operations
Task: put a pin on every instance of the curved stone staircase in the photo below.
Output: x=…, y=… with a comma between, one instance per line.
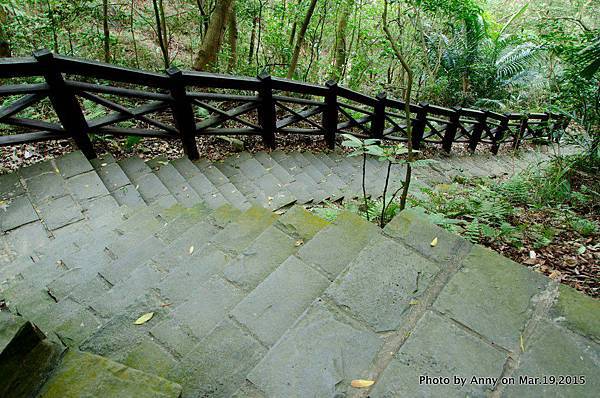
x=248, y=302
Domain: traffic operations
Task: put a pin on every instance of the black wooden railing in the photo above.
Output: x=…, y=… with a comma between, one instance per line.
x=101, y=99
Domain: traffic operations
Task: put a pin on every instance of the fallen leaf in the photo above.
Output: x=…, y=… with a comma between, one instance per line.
x=191, y=249
x=413, y=302
x=103, y=164
x=144, y=318
x=555, y=274
x=522, y=343
x=299, y=242
x=581, y=249
x=434, y=242
x=362, y=383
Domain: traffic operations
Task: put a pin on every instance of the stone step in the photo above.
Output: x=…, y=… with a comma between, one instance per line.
x=83, y=374
x=147, y=183
x=26, y=357
x=177, y=185
x=117, y=182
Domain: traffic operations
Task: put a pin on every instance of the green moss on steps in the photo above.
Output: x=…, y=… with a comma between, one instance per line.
x=578, y=312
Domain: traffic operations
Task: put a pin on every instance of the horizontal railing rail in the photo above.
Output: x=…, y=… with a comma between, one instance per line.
x=89, y=97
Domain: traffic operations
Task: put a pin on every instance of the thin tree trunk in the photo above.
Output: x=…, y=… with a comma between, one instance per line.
x=232, y=38
x=300, y=39
x=133, y=39
x=53, y=26
x=409, y=75
x=207, y=54
x=204, y=15
x=252, y=39
x=158, y=11
x=340, y=41
x=4, y=35
x=106, y=31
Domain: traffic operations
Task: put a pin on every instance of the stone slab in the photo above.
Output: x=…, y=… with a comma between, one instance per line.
x=413, y=228
x=381, y=282
x=10, y=186
x=59, y=212
x=218, y=365
x=113, y=176
x=317, y=357
x=83, y=374
x=16, y=212
x=72, y=164
x=177, y=185
x=439, y=348
x=128, y=196
x=553, y=351
x=207, y=306
x=333, y=248
x=270, y=309
x=46, y=187
x=259, y=259
x=492, y=295
x=193, y=271
x=578, y=312
x=86, y=186
x=301, y=224
x=239, y=234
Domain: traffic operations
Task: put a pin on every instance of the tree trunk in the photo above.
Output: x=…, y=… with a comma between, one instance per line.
x=340, y=41
x=252, y=39
x=207, y=55
x=300, y=40
x=409, y=75
x=4, y=35
x=232, y=38
x=204, y=17
x=106, y=31
x=161, y=33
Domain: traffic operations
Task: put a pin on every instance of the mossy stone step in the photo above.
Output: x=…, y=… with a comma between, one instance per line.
x=82, y=374
x=26, y=357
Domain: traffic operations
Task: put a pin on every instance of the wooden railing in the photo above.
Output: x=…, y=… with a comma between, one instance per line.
x=93, y=98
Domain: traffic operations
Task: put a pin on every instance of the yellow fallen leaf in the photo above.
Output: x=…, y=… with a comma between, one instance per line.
x=413, y=302
x=362, y=383
x=522, y=344
x=191, y=249
x=299, y=242
x=434, y=242
x=144, y=318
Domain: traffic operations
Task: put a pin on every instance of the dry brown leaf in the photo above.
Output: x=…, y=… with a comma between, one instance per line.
x=144, y=318
x=358, y=383
x=434, y=242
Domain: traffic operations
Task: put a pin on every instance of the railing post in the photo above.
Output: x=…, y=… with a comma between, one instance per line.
x=183, y=113
x=477, y=132
x=522, y=131
x=451, y=130
x=378, y=122
x=499, y=134
x=419, y=125
x=330, y=114
x=266, y=111
x=65, y=103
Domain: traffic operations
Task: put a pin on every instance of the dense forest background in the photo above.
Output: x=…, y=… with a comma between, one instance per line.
x=499, y=54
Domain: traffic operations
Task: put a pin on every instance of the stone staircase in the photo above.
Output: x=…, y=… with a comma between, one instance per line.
x=248, y=302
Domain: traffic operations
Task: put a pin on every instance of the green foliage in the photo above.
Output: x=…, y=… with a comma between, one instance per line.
x=483, y=210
